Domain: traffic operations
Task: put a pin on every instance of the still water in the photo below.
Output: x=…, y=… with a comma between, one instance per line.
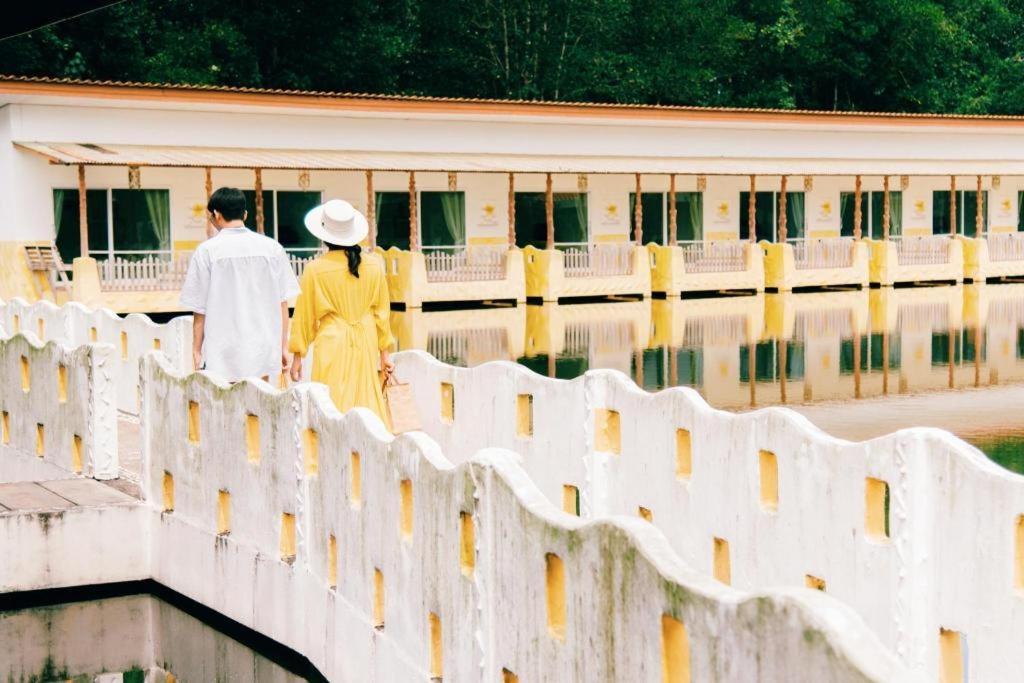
x=134, y=639
x=858, y=363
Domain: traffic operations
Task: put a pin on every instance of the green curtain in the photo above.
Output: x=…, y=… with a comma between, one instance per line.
x=453, y=207
x=159, y=208
x=895, y=213
x=58, y=212
x=795, y=214
x=697, y=215
x=580, y=200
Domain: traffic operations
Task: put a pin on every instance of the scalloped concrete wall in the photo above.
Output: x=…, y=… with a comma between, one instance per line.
x=621, y=575
x=131, y=336
x=948, y=563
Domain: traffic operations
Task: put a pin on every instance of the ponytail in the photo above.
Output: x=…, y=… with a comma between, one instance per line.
x=354, y=254
x=355, y=257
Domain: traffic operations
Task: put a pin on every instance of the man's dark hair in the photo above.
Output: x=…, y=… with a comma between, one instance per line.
x=229, y=201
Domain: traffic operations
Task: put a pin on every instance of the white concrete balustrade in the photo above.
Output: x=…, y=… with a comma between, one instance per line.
x=379, y=559
x=131, y=336
x=917, y=531
x=57, y=410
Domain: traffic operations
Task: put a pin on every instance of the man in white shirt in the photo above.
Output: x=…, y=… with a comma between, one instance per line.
x=238, y=285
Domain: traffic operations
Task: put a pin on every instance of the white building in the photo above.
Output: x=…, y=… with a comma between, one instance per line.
x=453, y=160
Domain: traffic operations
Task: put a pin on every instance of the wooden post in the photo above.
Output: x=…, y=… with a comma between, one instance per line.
x=259, y=201
x=414, y=236
x=210, y=230
x=782, y=370
x=638, y=364
x=511, y=210
x=83, y=214
x=782, y=212
x=751, y=206
x=979, y=218
x=752, y=372
x=952, y=205
x=673, y=237
x=885, y=362
x=371, y=209
x=638, y=215
x=856, y=361
x=549, y=212
x=858, y=215
x=886, y=208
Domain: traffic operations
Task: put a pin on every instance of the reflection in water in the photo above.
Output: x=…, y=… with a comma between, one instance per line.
x=135, y=639
x=743, y=352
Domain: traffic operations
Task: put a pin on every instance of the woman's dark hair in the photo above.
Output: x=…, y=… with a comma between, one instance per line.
x=229, y=201
x=354, y=254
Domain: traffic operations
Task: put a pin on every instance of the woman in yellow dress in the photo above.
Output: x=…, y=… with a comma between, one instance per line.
x=343, y=309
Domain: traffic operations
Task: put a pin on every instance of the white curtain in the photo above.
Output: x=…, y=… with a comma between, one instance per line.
x=453, y=206
x=158, y=205
x=58, y=212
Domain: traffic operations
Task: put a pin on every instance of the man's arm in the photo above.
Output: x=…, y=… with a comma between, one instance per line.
x=198, y=333
x=284, y=335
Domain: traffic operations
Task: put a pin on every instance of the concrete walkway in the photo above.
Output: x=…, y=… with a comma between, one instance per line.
x=62, y=494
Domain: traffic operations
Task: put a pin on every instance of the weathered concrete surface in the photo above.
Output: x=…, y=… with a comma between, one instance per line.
x=620, y=447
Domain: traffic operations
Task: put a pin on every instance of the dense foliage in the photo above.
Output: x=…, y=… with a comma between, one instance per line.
x=905, y=55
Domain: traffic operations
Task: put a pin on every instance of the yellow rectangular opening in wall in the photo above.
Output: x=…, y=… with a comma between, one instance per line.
x=223, y=513
x=876, y=509
x=124, y=345
x=287, y=536
x=332, y=561
x=405, y=514
x=467, y=544
x=76, y=454
x=168, y=492
x=951, y=657
x=555, y=581
x=5, y=427
x=684, y=454
x=447, y=402
x=41, y=329
x=193, y=422
x=17, y=324
x=722, y=566
x=311, y=451
x=26, y=379
x=40, y=441
x=355, y=482
x=607, y=435
x=524, y=415
x=768, y=467
x=62, y=383
x=675, y=651
x=378, y=599
x=508, y=677
x=571, y=499
x=156, y=344
x=436, y=651
x=645, y=513
x=814, y=583
x=252, y=438
x=92, y=334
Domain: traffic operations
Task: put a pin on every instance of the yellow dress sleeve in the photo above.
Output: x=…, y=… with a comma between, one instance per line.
x=304, y=319
x=382, y=314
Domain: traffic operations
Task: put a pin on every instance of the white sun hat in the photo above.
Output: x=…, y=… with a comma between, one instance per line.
x=337, y=222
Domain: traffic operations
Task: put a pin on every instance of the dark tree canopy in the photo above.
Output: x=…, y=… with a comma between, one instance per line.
x=962, y=56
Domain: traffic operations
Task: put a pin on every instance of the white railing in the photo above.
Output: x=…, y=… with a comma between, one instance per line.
x=155, y=271
x=597, y=260
x=1006, y=246
x=298, y=261
x=929, y=250
x=833, y=252
x=459, y=264
x=715, y=257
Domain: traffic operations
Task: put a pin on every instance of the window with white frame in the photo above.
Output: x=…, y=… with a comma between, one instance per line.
x=130, y=224
x=283, y=214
